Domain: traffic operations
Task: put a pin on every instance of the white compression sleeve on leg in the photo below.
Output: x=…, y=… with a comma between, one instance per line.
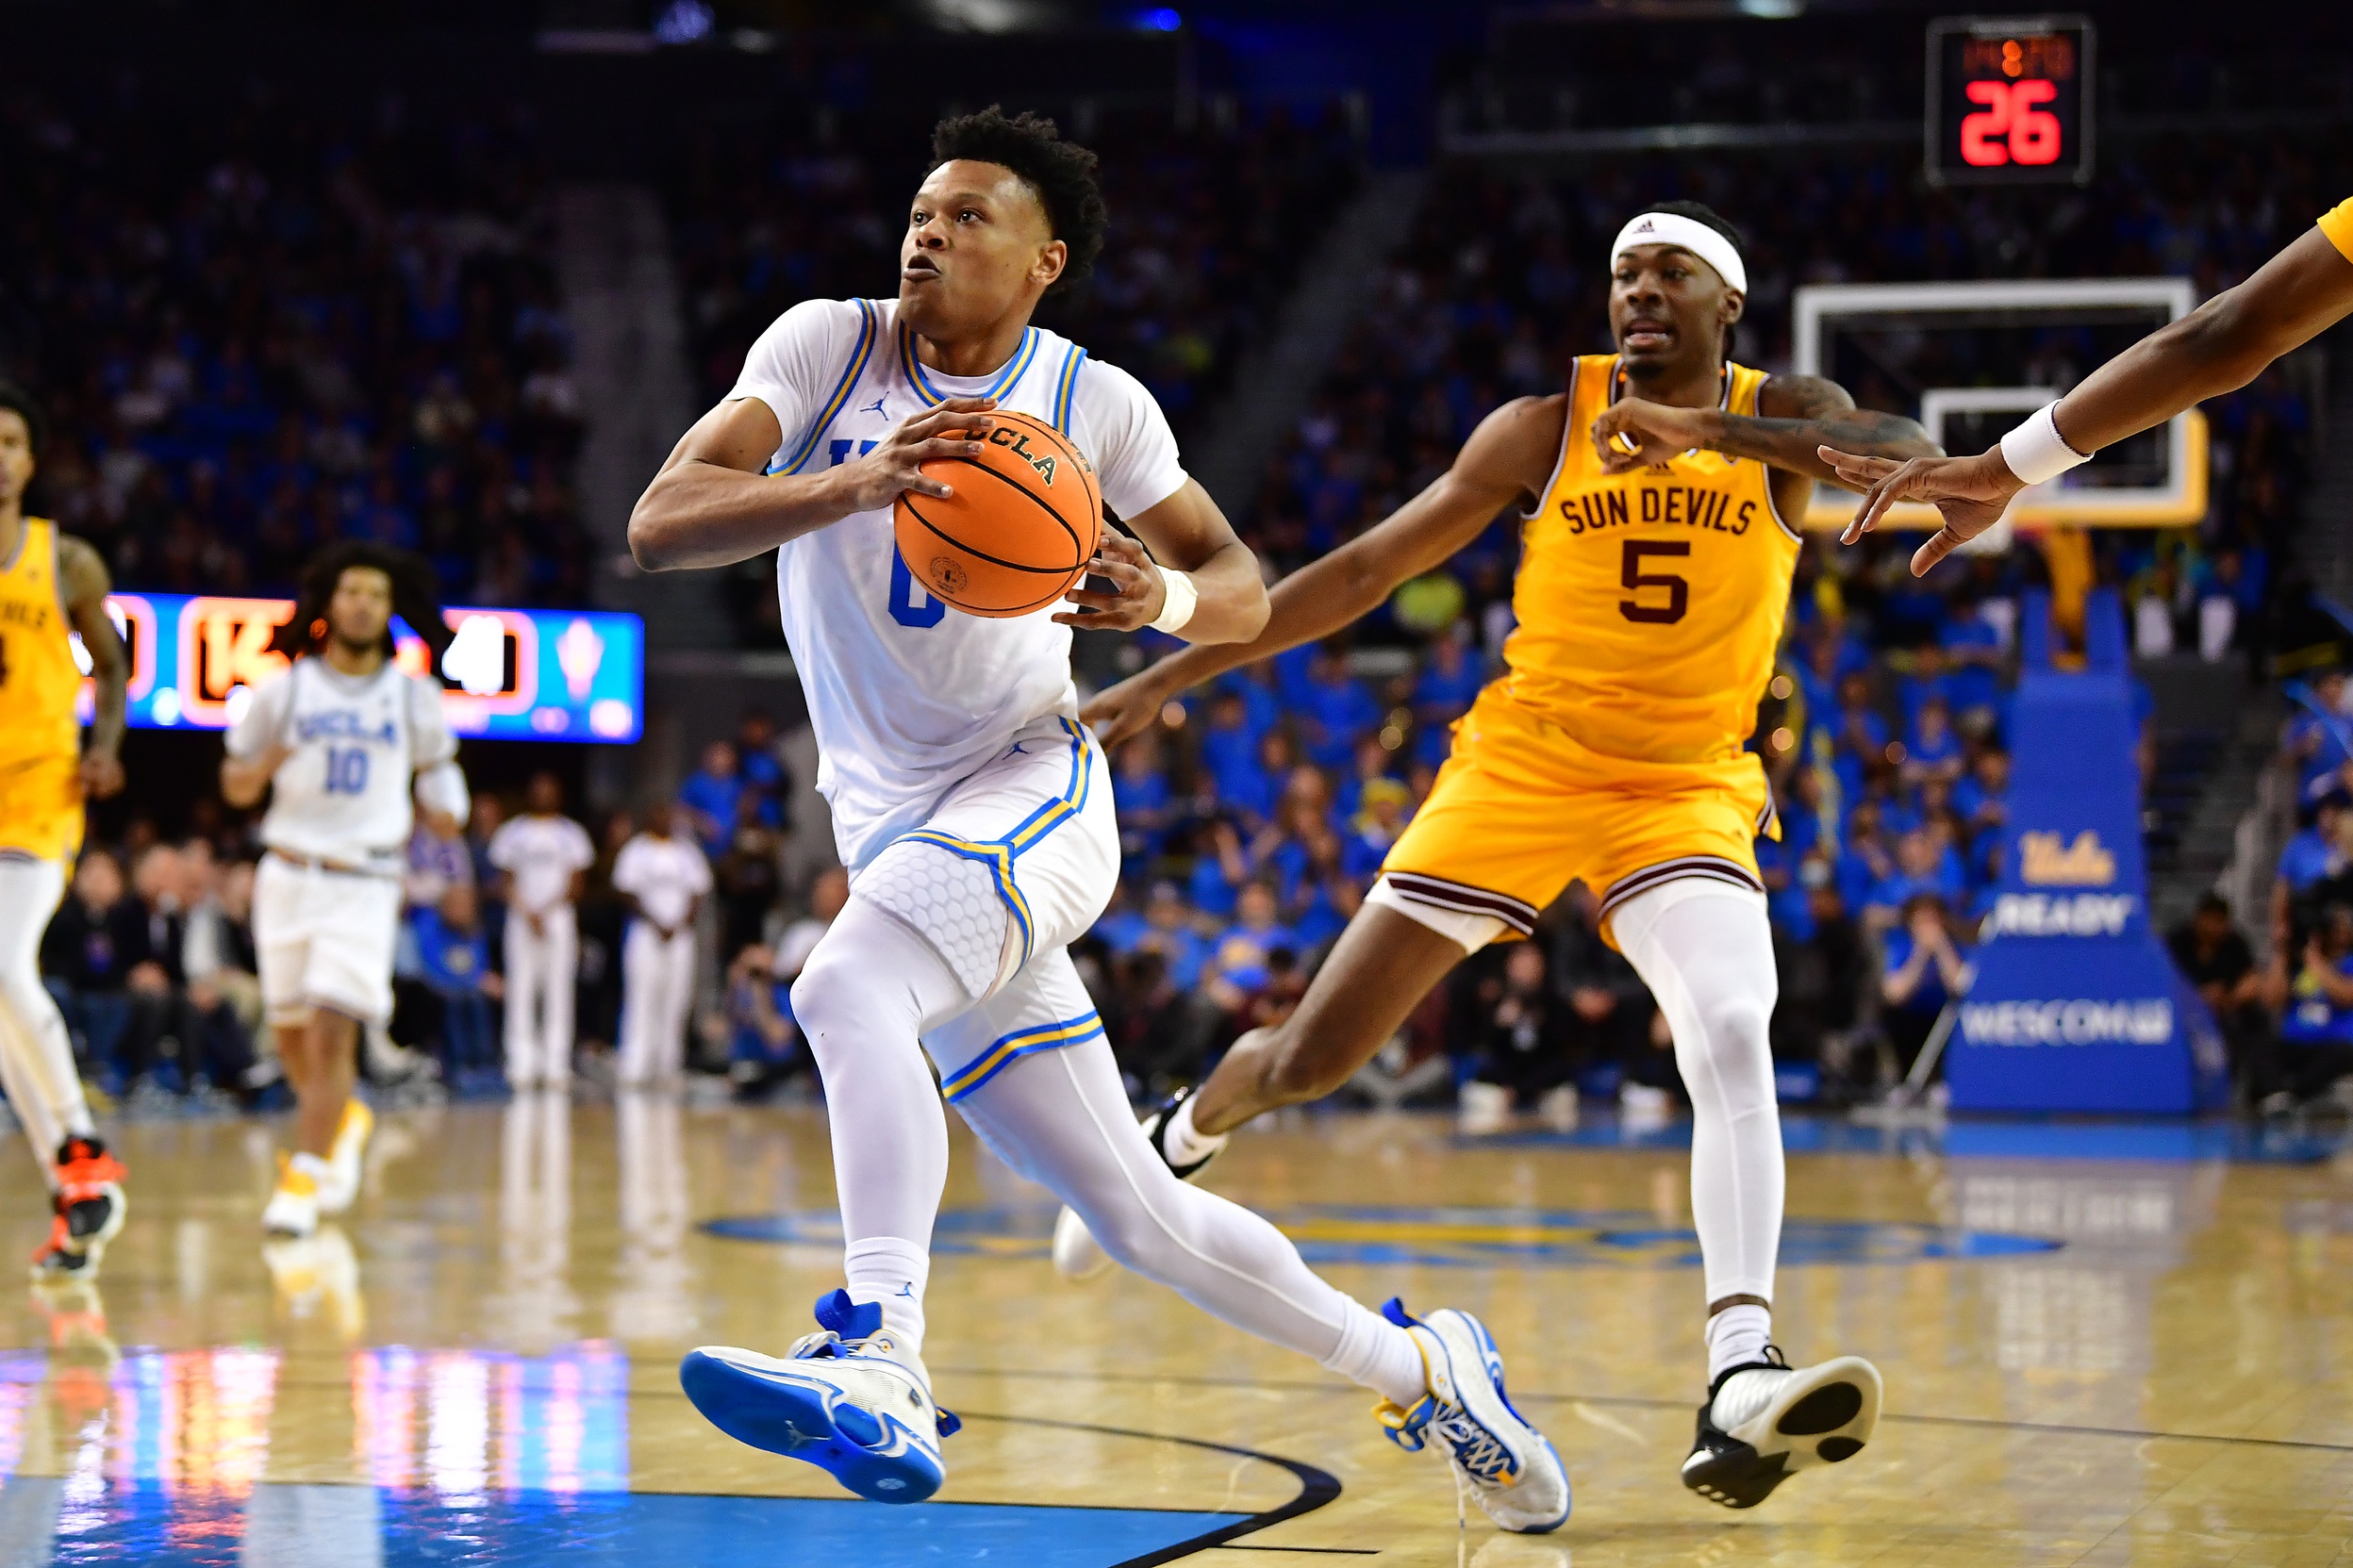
x=36, y=1054
x=1061, y=1118
x=1706, y=952
x=870, y=988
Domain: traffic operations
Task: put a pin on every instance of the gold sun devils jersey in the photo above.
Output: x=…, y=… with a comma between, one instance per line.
x=1650, y=604
x=40, y=681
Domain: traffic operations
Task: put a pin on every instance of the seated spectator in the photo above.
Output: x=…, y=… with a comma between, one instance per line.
x=1160, y=1030
x=1932, y=750
x=1326, y=913
x=2321, y=744
x=1228, y=749
x=1609, y=1006
x=1220, y=868
x=1524, y=1050
x=1255, y=794
x=2312, y=991
x=2314, y=859
x=95, y=941
x=748, y=877
x=1860, y=735
x=1450, y=681
x=453, y=957
x=709, y=797
x=756, y=757
x=1926, y=682
x=1981, y=795
x=1926, y=968
x=1338, y=711
x=1238, y=959
x=1372, y=762
x=1379, y=822
x=217, y=953
x=1865, y=861
x=1823, y=976
x=765, y=1047
x=2212, y=956
x=1147, y=805
x=1975, y=660
x=1923, y=865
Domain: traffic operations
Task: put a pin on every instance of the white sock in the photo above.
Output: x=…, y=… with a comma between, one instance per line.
x=892, y=1274
x=1184, y=1145
x=1379, y=1354
x=312, y=1166
x=1737, y=1335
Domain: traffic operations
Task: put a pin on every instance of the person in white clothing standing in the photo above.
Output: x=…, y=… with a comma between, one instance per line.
x=665, y=878
x=974, y=814
x=543, y=856
x=350, y=747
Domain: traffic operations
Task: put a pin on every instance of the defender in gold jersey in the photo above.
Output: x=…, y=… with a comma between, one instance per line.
x=1655, y=564
x=52, y=585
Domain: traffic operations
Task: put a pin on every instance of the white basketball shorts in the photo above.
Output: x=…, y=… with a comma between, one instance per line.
x=1014, y=865
x=325, y=939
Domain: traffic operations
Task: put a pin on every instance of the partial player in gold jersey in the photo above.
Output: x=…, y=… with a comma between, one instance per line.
x=1658, y=493
x=50, y=587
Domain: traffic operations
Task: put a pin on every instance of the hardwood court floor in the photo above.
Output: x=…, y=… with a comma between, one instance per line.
x=2141, y=1356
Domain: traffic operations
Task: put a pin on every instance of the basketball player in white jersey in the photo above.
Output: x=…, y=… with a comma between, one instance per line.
x=662, y=873
x=974, y=814
x=542, y=855
x=341, y=739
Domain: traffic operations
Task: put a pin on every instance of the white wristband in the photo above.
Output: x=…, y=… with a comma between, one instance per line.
x=1176, y=611
x=2036, y=452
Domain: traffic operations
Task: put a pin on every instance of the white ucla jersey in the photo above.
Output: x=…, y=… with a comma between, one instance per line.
x=905, y=695
x=357, y=741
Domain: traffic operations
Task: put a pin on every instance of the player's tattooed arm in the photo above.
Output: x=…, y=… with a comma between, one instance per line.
x=82, y=573
x=1797, y=415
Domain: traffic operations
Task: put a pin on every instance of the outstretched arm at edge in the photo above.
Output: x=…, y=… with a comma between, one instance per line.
x=2217, y=348
x=1505, y=461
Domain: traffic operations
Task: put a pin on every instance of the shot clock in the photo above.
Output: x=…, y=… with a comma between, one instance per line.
x=2009, y=100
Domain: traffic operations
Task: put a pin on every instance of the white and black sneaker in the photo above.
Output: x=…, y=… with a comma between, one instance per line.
x=1077, y=1255
x=1767, y=1420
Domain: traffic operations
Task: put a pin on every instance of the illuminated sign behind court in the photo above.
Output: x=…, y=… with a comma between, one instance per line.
x=572, y=675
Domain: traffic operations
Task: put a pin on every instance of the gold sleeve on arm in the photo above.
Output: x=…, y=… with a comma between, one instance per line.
x=2337, y=223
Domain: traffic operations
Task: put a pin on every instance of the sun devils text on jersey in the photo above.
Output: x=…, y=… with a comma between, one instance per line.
x=1650, y=606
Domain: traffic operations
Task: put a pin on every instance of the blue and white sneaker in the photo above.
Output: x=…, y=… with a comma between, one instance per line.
x=1511, y=1466
x=848, y=1400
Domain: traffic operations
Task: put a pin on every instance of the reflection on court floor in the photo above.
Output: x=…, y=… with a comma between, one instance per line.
x=1329, y=1234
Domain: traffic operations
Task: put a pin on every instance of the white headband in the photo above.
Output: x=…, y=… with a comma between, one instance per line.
x=1669, y=228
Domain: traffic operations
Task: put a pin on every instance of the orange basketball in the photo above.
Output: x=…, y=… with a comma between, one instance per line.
x=1020, y=529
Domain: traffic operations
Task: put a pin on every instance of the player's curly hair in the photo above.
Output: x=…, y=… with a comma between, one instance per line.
x=416, y=598
x=1061, y=173
x=26, y=407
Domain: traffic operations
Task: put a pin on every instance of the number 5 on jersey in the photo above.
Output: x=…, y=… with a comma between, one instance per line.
x=1631, y=577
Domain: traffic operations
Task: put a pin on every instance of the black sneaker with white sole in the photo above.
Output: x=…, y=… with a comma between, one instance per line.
x=1765, y=1420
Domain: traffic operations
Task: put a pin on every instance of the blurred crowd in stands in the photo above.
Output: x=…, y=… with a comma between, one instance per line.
x=259, y=330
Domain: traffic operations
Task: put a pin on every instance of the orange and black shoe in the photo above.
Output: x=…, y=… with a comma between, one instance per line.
x=90, y=1210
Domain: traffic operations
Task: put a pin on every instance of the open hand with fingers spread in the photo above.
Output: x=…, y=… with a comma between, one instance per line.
x=1970, y=492
x=1137, y=589
x=953, y=429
